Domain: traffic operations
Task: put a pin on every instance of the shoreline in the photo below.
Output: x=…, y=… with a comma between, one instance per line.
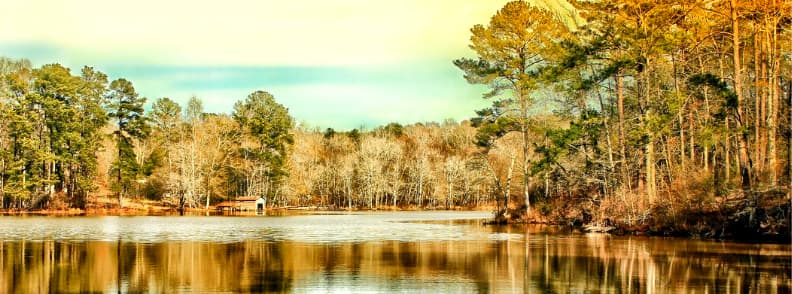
x=165, y=210
x=729, y=230
x=647, y=230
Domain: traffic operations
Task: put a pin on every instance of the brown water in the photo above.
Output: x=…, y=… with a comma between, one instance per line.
x=367, y=252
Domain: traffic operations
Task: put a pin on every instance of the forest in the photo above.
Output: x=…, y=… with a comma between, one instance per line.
x=668, y=117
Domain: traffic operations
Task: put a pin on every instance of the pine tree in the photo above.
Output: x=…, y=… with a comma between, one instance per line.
x=513, y=49
x=268, y=124
x=126, y=108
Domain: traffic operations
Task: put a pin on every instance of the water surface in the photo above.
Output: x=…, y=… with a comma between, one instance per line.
x=367, y=252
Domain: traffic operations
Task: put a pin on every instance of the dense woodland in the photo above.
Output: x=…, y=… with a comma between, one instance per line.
x=671, y=114
x=674, y=114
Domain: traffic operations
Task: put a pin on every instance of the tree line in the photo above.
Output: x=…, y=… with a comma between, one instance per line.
x=656, y=108
x=72, y=140
x=65, y=138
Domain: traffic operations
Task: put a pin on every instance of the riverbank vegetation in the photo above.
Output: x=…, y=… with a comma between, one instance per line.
x=663, y=117
x=82, y=141
x=670, y=117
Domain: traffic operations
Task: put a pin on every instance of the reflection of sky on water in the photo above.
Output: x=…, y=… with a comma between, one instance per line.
x=315, y=228
x=108, y=231
x=345, y=281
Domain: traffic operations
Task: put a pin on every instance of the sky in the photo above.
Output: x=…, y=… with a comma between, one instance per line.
x=340, y=64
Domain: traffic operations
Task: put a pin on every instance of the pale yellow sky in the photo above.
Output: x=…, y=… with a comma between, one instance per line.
x=350, y=32
x=338, y=64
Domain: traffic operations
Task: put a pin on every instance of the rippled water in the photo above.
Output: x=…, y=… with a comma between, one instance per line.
x=367, y=253
x=315, y=228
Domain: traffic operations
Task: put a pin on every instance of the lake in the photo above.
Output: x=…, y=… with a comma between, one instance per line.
x=367, y=252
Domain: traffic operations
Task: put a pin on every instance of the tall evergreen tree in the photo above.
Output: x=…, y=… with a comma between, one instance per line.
x=269, y=125
x=126, y=108
x=519, y=41
x=86, y=139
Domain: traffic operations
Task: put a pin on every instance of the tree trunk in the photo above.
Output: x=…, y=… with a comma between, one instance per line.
x=2, y=183
x=420, y=191
x=347, y=185
x=507, y=192
x=620, y=102
x=679, y=117
x=727, y=150
x=120, y=155
x=644, y=83
x=651, y=183
x=745, y=162
x=670, y=168
x=706, y=158
x=208, y=190
x=692, y=138
x=682, y=155
x=774, y=102
x=450, y=192
x=525, y=144
x=759, y=68
x=120, y=183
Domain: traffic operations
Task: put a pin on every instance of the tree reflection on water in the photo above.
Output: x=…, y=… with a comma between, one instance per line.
x=538, y=261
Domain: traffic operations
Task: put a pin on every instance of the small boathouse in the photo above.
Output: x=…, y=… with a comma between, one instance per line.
x=248, y=203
